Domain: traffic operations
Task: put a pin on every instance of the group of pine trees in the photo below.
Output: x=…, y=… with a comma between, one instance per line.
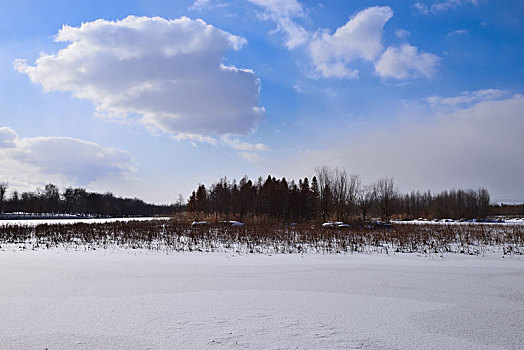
x=272, y=198
x=332, y=194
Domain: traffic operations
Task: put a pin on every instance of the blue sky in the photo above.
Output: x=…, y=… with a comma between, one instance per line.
x=150, y=98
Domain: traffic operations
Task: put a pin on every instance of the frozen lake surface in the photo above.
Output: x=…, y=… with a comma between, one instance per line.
x=132, y=299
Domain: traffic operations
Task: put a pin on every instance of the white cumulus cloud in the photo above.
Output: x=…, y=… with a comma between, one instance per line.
x=359, y=38
x=333, y=55
x=169, y=72
x=406, y=62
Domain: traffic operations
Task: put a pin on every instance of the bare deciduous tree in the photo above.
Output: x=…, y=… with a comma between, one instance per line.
x=353, y=190
x=340, y=191
x=365, y=198
x=385, y=193
x=345, y=189
x=3, y=189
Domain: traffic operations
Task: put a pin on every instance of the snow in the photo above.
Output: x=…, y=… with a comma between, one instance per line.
x=35, y=222
x=506, y=222
x=338, y=224
x=138, y=299
x=233, y=223
x=199, y=223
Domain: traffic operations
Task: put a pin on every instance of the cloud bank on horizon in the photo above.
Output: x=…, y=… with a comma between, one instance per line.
x=472, y=139
x=33, y=161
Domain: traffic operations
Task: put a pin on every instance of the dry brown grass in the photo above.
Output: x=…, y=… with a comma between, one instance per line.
x=178, y=235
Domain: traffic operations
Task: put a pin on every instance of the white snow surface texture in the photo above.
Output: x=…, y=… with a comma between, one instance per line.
x=126, y=299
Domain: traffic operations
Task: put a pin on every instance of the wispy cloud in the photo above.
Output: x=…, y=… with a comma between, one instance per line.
x=249, y=156
x=282, y=13
x=200, y=5
x=465, y=99
x=402, y=33
x=441, y=6
x=194, y=138
x=247, y=151
x=281, y=8
x=457, y=32
x=244, y=146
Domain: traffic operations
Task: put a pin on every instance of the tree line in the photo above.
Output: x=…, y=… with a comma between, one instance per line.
x=79, y=201
x=332, y=194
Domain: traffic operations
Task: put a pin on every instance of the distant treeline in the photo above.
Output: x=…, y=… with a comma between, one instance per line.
x=508, y=209
x=79, y=201
x=332, y=194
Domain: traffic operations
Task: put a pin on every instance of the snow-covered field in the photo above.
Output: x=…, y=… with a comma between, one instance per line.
x=138, y=299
